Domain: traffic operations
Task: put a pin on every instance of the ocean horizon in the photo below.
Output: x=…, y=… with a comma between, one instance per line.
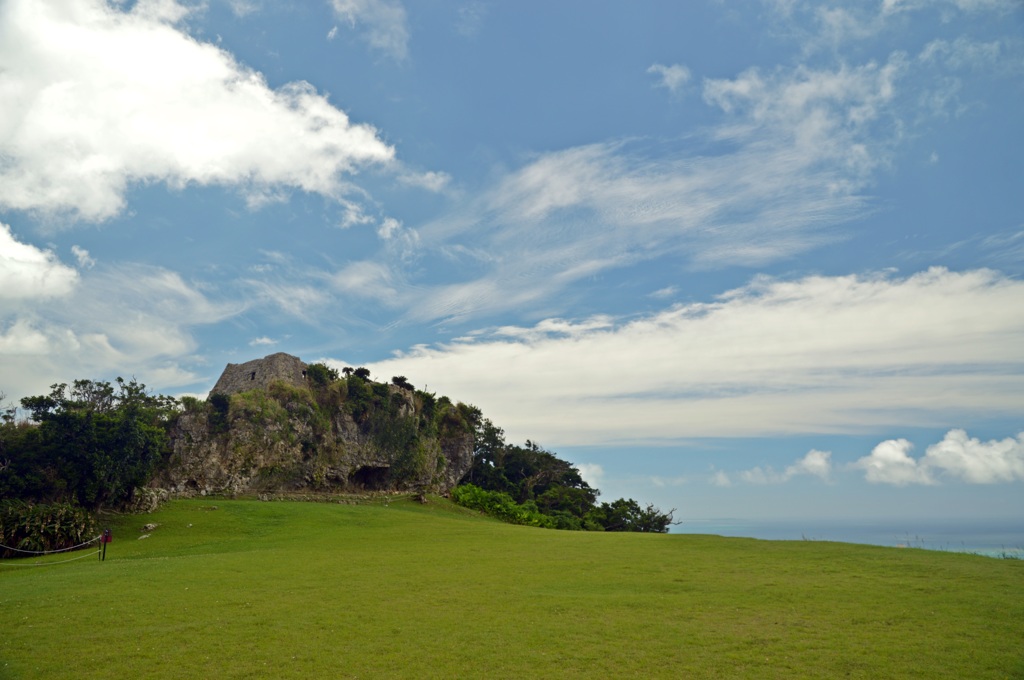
x=992, y=538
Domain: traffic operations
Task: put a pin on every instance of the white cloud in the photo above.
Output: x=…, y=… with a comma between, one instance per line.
x=833, y=24
x=815, y=464
x=897, y=6
x=136, y=319
x=354, y=215
x=97, y=98
x=262, y=341
x=401, y=242
x=957, y=456
x=818, y=354
x=27, y=272
x=431, y=181
x=331, y=34
x=672, y=78
x=82, y=255
x=368, y=280
x=978, y=462
x=302, y=301
x=666, y=292
x=387, y=27
x=592, y=474
x=389, y=228
x=759, y=475
x=721, y=479
x=890, y=463
x=22, y=339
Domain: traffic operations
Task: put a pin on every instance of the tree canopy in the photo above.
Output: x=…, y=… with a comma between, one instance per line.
x=540, y=482
x=93, y=442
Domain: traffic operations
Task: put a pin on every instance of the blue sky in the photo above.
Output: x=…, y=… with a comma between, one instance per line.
x=752, y=259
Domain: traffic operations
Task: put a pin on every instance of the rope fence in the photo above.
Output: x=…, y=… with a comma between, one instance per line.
x=51, y=552
x=7, y=563
x=101, y=551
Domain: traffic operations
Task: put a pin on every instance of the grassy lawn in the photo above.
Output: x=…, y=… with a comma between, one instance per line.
x=320, y=590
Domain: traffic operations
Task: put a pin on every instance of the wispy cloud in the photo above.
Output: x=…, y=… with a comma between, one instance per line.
x=470, y=19
x=672, y=78
x=82, y=255
x=383, y=23
x=999, y=6
x=100, y=98
x=431, y=180
x=817, y=354
x=720, y=478
x=957, y=457
x=830, y=26
x=86, y=332
x=789, y=161
x=243, y=8
x=815, y=464
x=574, y=213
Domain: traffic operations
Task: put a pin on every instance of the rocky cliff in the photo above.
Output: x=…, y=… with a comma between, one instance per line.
x=323, y=432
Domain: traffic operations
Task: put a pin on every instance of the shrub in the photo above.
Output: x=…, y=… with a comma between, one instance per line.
x=500, y=506
x=191, y=404
x=41, y=526
x=321, y=374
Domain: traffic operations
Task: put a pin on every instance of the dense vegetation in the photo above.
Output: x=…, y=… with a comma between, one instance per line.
x=91, y=444
x=529, y=485
x=37, y=527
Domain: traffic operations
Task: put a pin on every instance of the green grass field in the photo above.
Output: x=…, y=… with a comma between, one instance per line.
x=324, y=590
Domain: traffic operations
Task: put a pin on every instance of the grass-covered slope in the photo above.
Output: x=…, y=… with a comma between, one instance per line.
x=318, y=590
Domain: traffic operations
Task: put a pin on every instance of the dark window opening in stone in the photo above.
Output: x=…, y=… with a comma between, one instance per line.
x=252, y=376
x=303, y=375
x=370, y=478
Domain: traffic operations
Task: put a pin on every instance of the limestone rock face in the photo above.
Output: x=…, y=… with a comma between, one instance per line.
x=281, y=434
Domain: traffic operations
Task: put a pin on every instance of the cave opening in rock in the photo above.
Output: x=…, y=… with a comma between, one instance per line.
x=370, y=478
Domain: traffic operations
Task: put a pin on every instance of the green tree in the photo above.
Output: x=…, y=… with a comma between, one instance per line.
x=321, y=375
x=627, y=515
x=94, y=442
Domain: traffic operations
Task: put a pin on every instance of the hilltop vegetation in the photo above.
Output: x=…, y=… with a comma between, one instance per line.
x=94, y=445
x=328, y=433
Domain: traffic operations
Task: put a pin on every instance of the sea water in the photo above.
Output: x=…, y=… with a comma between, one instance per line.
x=994, y=538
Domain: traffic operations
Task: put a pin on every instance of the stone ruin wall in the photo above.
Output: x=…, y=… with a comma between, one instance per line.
x=261, y=373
